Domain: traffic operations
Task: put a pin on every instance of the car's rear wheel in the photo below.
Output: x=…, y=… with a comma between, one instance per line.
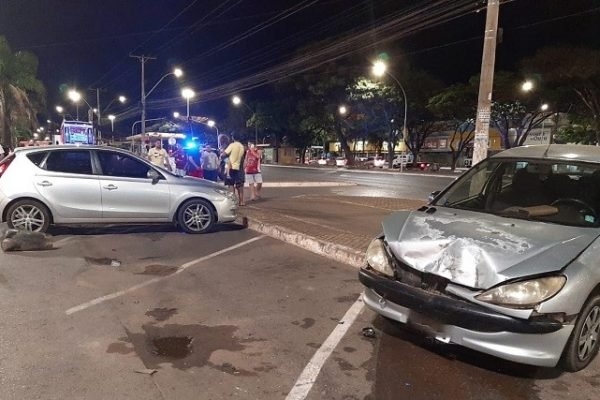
x=28, y=215
x=196, y=216
x=584, y=342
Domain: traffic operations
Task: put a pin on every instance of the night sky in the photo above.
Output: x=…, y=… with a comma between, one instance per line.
x=219, y=43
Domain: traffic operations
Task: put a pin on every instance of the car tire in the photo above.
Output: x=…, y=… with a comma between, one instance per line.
x=584, y=342
x=28, y=215
x=196, y=216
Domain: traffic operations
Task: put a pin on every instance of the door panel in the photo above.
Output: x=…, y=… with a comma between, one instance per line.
x=127, y=193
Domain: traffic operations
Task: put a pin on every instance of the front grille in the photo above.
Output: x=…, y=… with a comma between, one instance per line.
x=429, y=282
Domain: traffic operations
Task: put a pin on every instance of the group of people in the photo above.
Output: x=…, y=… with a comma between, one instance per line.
x=235, y=164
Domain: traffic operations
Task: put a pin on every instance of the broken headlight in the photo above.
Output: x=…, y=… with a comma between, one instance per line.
x=524, y=294
x=378, y=259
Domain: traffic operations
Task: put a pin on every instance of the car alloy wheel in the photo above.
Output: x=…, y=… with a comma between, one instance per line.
x=584, y=342
x=28, y=215
x=196, y=216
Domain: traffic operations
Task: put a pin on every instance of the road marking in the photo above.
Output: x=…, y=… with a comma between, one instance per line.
x=180, y=269
x=307, y=184
x=310, y=373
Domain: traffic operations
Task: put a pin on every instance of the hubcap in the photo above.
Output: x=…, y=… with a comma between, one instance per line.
x=197, y=217
x=588, y=338
x=28, y=218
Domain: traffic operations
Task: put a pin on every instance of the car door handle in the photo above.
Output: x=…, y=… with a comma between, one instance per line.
x=44, y=183
x=110, y=187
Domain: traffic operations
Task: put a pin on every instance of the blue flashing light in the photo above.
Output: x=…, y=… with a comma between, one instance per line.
x=190, y=145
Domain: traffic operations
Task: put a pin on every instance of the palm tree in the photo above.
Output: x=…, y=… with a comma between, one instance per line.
x=22, y=95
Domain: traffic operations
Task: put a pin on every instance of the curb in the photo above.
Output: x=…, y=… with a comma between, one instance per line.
x=330, y=250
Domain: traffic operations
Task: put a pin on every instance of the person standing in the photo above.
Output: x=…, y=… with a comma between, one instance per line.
x=210, y=163
x=235, y=151
x=159, y=156
x=253, y=171
x=181, y=160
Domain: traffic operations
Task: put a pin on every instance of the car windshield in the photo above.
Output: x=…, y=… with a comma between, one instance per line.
x=562, y=192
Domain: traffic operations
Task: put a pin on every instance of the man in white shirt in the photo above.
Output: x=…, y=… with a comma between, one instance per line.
x=159, y=156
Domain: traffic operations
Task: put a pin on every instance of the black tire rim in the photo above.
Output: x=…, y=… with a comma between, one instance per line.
x=197, y=217
x=588, y=337
x=28, y=217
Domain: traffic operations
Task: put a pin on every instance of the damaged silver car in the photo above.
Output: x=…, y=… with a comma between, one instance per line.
x=505, y=261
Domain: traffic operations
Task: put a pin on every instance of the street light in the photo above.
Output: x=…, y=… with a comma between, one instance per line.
x=59, y=109
x=176, y=72
x=112, y=123
x=343, y=110
x=527, y=86
x=187, y=94
x=379, y=69
x=175, y=114
x=236, y=100
x=75, y=96
x=212, y=124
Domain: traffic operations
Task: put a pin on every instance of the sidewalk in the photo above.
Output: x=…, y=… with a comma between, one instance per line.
x=336, y=227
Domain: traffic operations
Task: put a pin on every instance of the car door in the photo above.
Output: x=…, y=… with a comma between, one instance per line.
x=68, y=185
x=128, y=195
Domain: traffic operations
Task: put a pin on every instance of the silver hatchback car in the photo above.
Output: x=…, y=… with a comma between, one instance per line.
x=62, y=185
x=505, y=260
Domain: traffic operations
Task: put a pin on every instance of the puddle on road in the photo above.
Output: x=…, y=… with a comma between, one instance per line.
x=183, y=346
x=162, y=314
x=172, y=347
x=99, y=261
x=158, y=269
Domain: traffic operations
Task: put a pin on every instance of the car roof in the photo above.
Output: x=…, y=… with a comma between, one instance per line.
x=29, y=149
x=567, y=152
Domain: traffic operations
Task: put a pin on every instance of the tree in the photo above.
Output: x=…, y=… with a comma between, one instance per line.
x=456, y=107
x=578, y=69
x=22, y=95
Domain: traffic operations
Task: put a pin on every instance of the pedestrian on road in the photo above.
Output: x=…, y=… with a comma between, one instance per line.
x=210, y=163
x=253, y=171
x=159, y=156
x=181, y=160
x=235, y=152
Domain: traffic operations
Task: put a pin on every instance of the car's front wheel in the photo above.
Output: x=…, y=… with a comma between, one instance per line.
x=28, y=215
x=196, y=216
x=584, y=342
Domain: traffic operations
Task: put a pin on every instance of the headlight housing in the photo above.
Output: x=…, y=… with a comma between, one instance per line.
x=524, y=294
x=378, y=259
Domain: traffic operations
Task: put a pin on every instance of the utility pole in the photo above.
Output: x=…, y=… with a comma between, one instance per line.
x=486, y=83
x=99, y=114
x=143, y=60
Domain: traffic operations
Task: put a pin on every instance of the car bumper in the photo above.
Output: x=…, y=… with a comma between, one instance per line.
x=226, y=210
x=470, y=325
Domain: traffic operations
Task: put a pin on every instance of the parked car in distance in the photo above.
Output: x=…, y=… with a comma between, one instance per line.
x=340, y=161
x=402, y=160
x=65, y=185
x=503, y=261
x=379, y=162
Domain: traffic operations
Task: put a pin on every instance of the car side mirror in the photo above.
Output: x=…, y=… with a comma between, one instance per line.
x=433, y=195
x=152, y=174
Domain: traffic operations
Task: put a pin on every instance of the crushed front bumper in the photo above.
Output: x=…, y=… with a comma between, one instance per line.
x=451, y=320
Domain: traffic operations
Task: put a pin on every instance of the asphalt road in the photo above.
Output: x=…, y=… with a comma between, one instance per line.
x=376, y=182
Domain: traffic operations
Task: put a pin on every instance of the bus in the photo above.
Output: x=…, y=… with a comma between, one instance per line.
x=72, y=132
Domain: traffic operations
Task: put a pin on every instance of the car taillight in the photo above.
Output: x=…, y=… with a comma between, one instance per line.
x=5, y=163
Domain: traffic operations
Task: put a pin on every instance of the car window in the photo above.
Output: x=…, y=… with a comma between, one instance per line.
x=37, y=157
x=71, y=161
x=560, y=192
x=122, y=165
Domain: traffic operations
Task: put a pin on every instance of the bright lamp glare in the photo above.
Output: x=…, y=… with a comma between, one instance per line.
x=236, y=100
x=74, y=95
x=111, y=117
x=175, y=114
x=379, y=68
x=210, y=123
x=177, y=72
x=544, y=107
x=343, y=110
x=187, y=93
x=122, y=99
x=527, y=86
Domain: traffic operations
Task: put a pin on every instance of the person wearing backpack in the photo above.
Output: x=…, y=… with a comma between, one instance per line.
x=210, y=163
x=253, y=171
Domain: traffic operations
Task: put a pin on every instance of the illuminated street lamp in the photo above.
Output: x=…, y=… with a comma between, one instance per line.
x=236, y=100
x=212, y=124
x=177, y=72
x=59, y=109
x=112, y=122
x=544, y=107
x=187, y=94
x=343, y=110
x=379, y=69
x=175, y=114
x=75, y=97
x=527, y=86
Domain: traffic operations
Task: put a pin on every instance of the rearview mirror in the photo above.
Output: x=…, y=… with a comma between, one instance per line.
x=152, y=174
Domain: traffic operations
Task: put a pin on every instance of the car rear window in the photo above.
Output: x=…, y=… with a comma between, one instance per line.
x=37, y=157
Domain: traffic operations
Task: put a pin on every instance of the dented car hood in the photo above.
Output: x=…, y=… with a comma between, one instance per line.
x=480, y=250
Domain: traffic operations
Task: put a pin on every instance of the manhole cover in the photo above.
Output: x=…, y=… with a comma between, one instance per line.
x=172, y=347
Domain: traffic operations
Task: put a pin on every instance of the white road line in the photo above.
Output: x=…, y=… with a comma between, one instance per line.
x=309, y=375
x=180, y=269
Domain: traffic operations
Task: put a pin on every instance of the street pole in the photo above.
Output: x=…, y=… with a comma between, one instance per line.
x=405, y=116
x=486, y=83
x=143, y=60
x=99, y=114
